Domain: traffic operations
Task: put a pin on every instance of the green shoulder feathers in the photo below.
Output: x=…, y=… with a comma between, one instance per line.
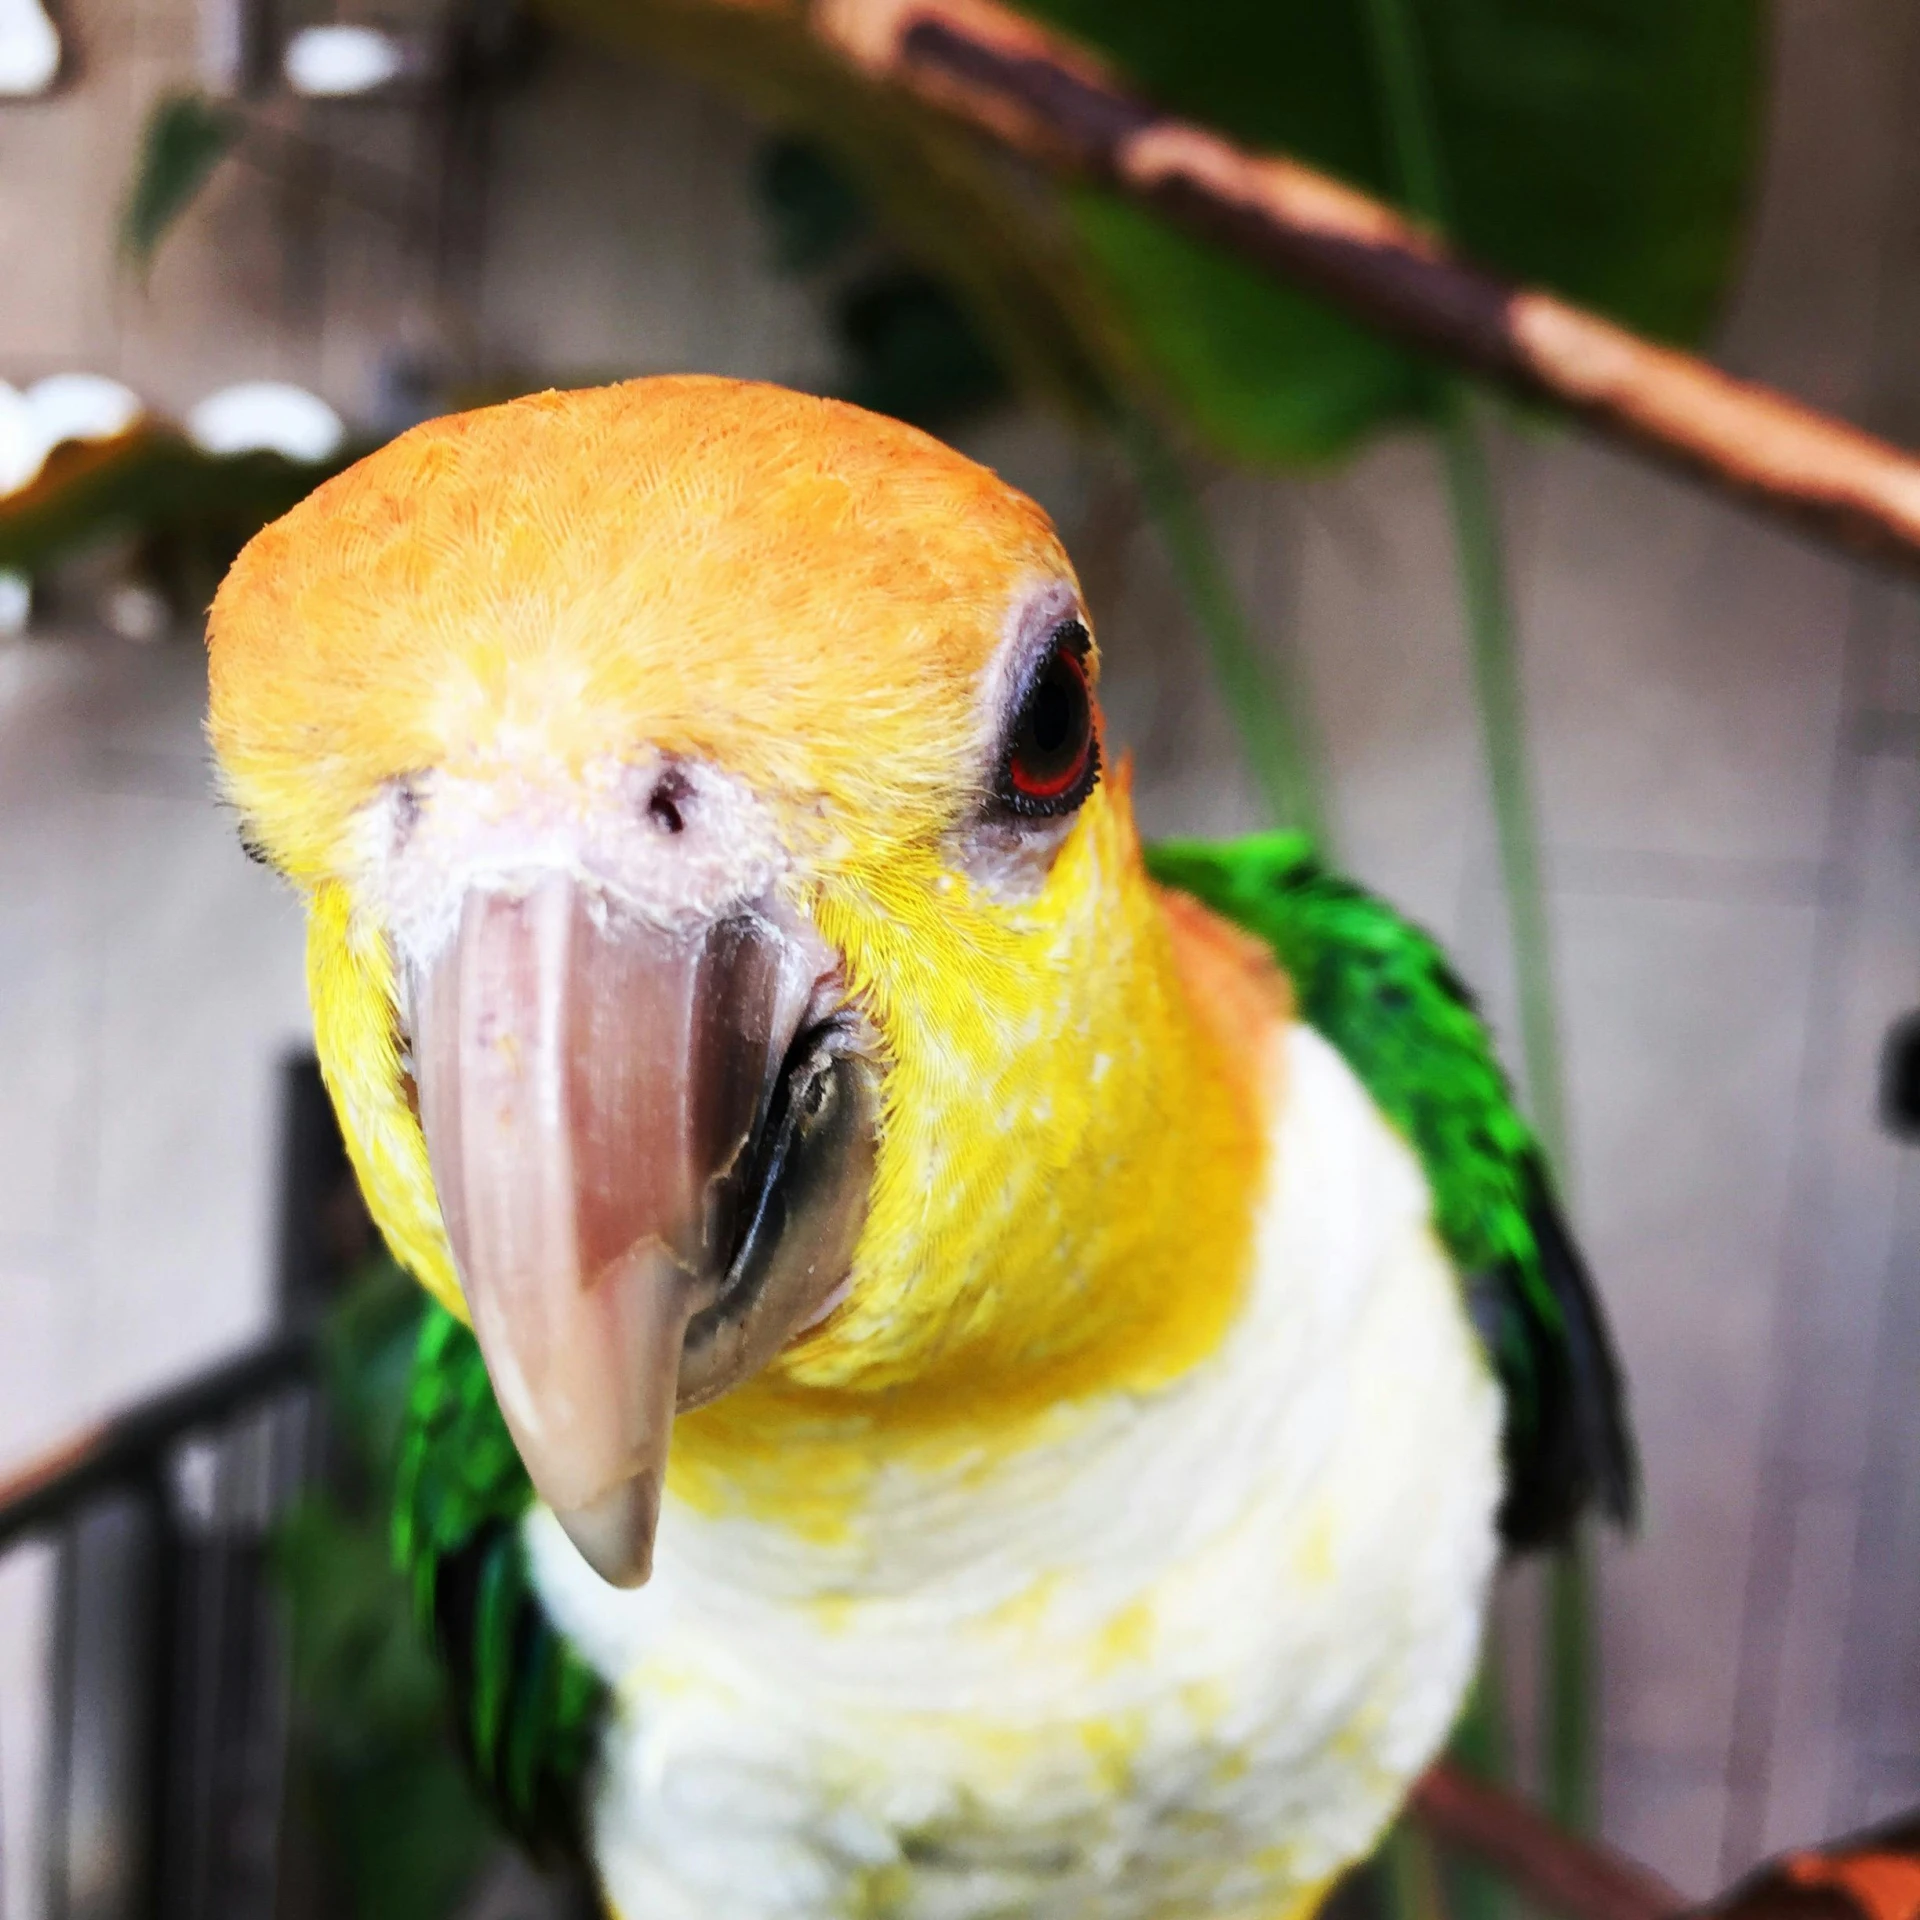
x=528, y=1707
x=1381, y=992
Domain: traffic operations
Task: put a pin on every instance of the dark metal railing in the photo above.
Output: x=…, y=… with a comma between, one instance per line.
x=171, y=1745
x=166, y=1705
x=120, y=1453
x=167, y=1744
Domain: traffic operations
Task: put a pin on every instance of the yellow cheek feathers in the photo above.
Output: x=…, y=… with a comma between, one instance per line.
x=1063, y=1148
x=350, y=983
x=1065, y=1194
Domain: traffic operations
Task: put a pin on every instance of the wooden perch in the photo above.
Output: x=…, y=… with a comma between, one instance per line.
x=1044, y=98
x=1867, y=1876
x=1560, y=1872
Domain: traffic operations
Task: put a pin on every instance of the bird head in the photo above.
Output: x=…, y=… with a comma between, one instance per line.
x=729, y=956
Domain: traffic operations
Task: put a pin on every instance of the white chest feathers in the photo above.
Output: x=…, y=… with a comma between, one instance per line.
x=1181, y=1659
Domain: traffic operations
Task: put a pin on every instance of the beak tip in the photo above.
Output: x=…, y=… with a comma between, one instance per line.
x=614, y=1534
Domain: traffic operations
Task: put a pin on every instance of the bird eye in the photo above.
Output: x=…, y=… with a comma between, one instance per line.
x=1053, y=757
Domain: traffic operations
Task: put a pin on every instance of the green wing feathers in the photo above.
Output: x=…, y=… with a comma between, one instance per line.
x=529, y=1708
x=1381, y=992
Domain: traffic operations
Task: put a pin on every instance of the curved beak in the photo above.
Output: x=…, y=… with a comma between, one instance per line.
x=652, y=1167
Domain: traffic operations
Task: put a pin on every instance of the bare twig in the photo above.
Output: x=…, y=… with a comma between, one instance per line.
x=1036, y=93
x=1575, y=1878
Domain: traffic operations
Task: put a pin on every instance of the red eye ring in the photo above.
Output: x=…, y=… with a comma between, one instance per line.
x=1044, y=782
x=1053, y=751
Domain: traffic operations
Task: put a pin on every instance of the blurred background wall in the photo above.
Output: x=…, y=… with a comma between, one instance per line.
x=1724, y=725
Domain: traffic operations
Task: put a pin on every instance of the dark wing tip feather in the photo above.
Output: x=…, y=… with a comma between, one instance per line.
x=1580, y=1454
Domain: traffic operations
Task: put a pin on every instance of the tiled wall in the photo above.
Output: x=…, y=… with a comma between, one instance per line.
x=1725, y=723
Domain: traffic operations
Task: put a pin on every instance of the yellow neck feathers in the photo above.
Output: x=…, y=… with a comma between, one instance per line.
x=1072, y=1145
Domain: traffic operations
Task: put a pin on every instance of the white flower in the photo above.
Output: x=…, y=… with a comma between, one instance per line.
x=16, y=602
x=29, y=49
x=330, y=63
x=268, y=416
x=64, y=406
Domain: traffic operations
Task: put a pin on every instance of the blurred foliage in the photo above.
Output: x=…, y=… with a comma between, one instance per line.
x=930, y=189
x=1261, y=372
x=915, y=352
x=813, y=212
x=185, y=137
x=378, y=1778
x=907, y=346
x=1600, y=147
x=190, y=511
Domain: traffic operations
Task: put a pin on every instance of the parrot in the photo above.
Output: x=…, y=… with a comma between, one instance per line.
x=975, y=1366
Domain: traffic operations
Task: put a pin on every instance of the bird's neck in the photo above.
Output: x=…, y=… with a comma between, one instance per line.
x=1052, y=1225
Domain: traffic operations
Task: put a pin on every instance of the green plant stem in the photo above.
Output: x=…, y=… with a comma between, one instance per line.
x=1410, y=1872
x=1567, y=1731
x=1568, y=1726
x=1400, y=69
x=1481, y=558
x=1266, y=705
x=1479, y=1742
x=1570, y=1729
x=1479, y=1745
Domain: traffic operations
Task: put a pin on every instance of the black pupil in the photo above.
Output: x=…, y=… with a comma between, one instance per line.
x=1051, y=718
x=1050, y=757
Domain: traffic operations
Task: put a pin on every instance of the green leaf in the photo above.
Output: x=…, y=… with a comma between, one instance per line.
x=1260, y=371
x=153, y=482
x=1599, y=147
x=186, y=137
x=914, y=351
x=812, y=210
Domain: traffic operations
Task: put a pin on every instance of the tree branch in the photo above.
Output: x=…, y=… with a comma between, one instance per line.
x=1036, y=93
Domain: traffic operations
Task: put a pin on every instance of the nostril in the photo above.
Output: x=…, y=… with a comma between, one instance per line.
x=405, y=810
x=665, y=804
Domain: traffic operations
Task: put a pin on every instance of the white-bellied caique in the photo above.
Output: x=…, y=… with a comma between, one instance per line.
x=1025, y=1351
